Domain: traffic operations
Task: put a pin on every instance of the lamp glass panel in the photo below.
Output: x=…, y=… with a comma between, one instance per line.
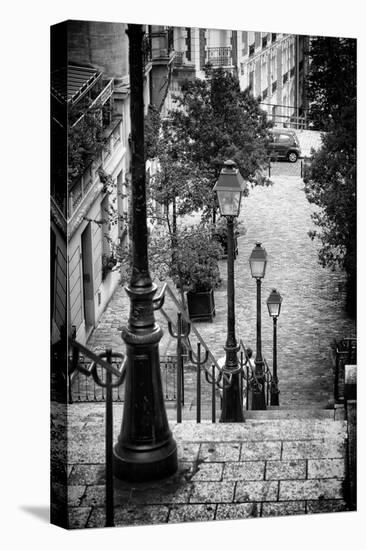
x=257, y=268
x=274, y=309
x=229, y=202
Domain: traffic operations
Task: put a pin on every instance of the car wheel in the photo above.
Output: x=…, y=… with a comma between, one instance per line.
x=292, y=156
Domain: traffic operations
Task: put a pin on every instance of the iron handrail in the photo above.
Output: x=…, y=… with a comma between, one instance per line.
x=91, y=370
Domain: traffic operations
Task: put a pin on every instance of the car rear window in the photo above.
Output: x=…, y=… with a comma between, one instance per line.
x=283, y=138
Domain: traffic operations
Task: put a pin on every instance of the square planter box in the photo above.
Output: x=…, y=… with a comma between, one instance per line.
x=201, y=305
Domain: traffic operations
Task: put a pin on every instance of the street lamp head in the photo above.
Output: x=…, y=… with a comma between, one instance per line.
x=274, y=303
x=258, y=261
x=229, y=189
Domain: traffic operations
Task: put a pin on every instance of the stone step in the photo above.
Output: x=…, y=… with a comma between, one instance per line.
x=263, y=430
x=303, y=412
x=189, y=412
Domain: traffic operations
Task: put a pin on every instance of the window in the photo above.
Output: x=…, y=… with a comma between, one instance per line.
x=188, y=44
x=244, y=40
x=264, y=41
x=251, y=49
x=251, y=81
x=285, y=77
x=283, y=138
x=274, y=37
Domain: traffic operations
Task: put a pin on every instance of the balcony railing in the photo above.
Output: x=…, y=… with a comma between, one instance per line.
x=178, y=59
x=101, y=99
x=219, y=56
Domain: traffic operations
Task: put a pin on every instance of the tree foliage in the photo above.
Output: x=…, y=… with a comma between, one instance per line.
x=215, y=121
x=85, y=139
x=331, y=182
x=331, y=87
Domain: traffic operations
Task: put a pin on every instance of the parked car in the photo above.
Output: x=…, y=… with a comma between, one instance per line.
x=283, y=144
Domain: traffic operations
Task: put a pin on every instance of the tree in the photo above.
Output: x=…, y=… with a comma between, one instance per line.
x=215, y=121
x=331, y=181
x=331, y=85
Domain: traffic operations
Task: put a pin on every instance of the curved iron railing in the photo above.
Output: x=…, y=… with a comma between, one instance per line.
x=88, y=365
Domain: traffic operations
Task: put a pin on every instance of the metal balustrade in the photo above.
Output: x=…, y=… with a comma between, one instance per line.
x=220, y=56
x=102, y=369
x=181, y=373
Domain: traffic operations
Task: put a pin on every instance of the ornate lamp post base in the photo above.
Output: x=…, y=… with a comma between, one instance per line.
x=145, y=449
x=145, y=464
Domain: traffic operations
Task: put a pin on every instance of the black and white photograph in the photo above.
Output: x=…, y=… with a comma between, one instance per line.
x=203, y=274
x=190, y=280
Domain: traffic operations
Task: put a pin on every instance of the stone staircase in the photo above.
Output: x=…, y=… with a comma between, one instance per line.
x=272, y=464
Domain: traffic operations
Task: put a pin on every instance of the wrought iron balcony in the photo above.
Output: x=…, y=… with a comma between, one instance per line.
x=220, y=56
x=178, y=59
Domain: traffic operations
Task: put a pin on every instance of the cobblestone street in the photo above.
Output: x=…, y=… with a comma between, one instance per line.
x=312, y=313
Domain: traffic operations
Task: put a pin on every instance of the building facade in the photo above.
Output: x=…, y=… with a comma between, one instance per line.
x=271, y=65
x=89, y=84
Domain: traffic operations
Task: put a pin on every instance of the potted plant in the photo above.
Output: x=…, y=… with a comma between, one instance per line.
x=195, y=269
x=109, y=261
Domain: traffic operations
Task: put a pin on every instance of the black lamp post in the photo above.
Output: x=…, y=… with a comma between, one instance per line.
x=258, y=262
x=145, y=449
x=229, y=189
x=274, y=307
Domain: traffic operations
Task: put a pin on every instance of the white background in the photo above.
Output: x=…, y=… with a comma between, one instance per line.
x=24, y=474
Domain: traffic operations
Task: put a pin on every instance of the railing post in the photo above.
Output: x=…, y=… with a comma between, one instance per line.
x=198, y=412
x=198, y=363
x=109, y=446
x=213, y=395
x=178, y=335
